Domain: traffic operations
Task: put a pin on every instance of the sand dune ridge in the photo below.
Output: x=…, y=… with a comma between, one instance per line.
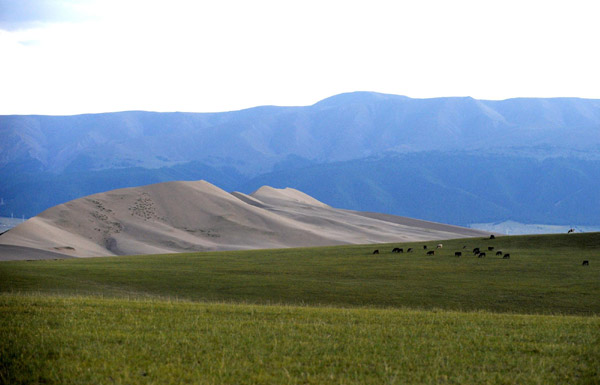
x=198, y=216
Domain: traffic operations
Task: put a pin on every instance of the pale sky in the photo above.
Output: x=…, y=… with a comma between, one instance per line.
x=69, y=57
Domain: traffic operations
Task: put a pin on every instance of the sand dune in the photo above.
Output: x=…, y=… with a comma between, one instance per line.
x=198, y=216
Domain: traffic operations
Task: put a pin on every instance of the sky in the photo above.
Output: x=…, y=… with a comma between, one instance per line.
x=66, y=57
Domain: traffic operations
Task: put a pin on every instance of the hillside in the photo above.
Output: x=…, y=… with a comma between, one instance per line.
x=198, y=216
x=454, y=188
x=343, y=127
x=508, y=143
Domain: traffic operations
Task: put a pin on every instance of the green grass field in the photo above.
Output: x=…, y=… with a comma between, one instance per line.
x=314, y=315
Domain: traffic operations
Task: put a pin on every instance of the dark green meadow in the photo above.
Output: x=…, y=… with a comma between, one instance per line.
x=311, y=315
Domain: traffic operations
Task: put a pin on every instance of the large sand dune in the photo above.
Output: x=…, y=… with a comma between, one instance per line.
x=198, y=216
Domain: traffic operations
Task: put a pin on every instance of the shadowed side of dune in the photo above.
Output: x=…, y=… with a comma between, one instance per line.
x=20, y=253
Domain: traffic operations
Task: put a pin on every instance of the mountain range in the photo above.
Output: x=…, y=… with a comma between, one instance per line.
x=452, y=160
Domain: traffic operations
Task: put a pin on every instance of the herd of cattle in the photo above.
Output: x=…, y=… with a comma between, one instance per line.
x=476, y=251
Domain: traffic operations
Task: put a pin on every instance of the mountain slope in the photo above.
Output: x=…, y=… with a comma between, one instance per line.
x=342, y=127
x=454, y=188
x=198, y=216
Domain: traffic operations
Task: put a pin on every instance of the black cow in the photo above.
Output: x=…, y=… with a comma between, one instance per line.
x=585, y=263
x=492, y=236
x=476, y=250
x=499, y=252
x=397, y=250
x=490, y=248
x=506, y=256
x=376, y=252
x=424, y=247
x=431, y=252
x=409, y=250
x=481, y=255
x=458, y=254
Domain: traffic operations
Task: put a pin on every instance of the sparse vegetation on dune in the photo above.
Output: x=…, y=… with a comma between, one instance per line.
x=231, y=317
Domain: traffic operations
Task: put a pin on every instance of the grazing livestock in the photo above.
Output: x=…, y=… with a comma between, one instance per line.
x=476, y=250
x=376, y=252
x=481, y=255
x=506, y=256
x=397, y=250
x=431, y=252
x=464, y=247
x=424, y=247
x=490, y=248
x=458, y=254
x=585, y=263
x=571, y=231
x=492, y=236
x=499, y=252
x=409, y=250
x=439, y=246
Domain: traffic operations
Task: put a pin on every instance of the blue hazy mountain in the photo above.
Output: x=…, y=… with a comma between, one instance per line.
x=455, y=160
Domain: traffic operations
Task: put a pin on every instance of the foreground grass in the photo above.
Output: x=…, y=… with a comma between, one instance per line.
x=48, y=339
x=543, y=276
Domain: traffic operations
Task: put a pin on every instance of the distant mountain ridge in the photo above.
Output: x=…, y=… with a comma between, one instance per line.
x=343, y=127
x=73, y=156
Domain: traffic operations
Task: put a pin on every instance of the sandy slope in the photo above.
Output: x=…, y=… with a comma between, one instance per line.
x=198, y=216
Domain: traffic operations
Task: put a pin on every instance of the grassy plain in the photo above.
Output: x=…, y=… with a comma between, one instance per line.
x=544, y=275
x=233, y=317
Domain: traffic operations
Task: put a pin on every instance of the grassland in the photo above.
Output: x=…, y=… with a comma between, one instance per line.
x=544, y=275
x=234, y=317
x=91, y=340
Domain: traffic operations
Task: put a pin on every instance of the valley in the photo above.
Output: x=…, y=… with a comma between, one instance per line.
x=315, y=244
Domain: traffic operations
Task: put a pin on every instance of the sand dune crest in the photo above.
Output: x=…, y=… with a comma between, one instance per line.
x=198, y=216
